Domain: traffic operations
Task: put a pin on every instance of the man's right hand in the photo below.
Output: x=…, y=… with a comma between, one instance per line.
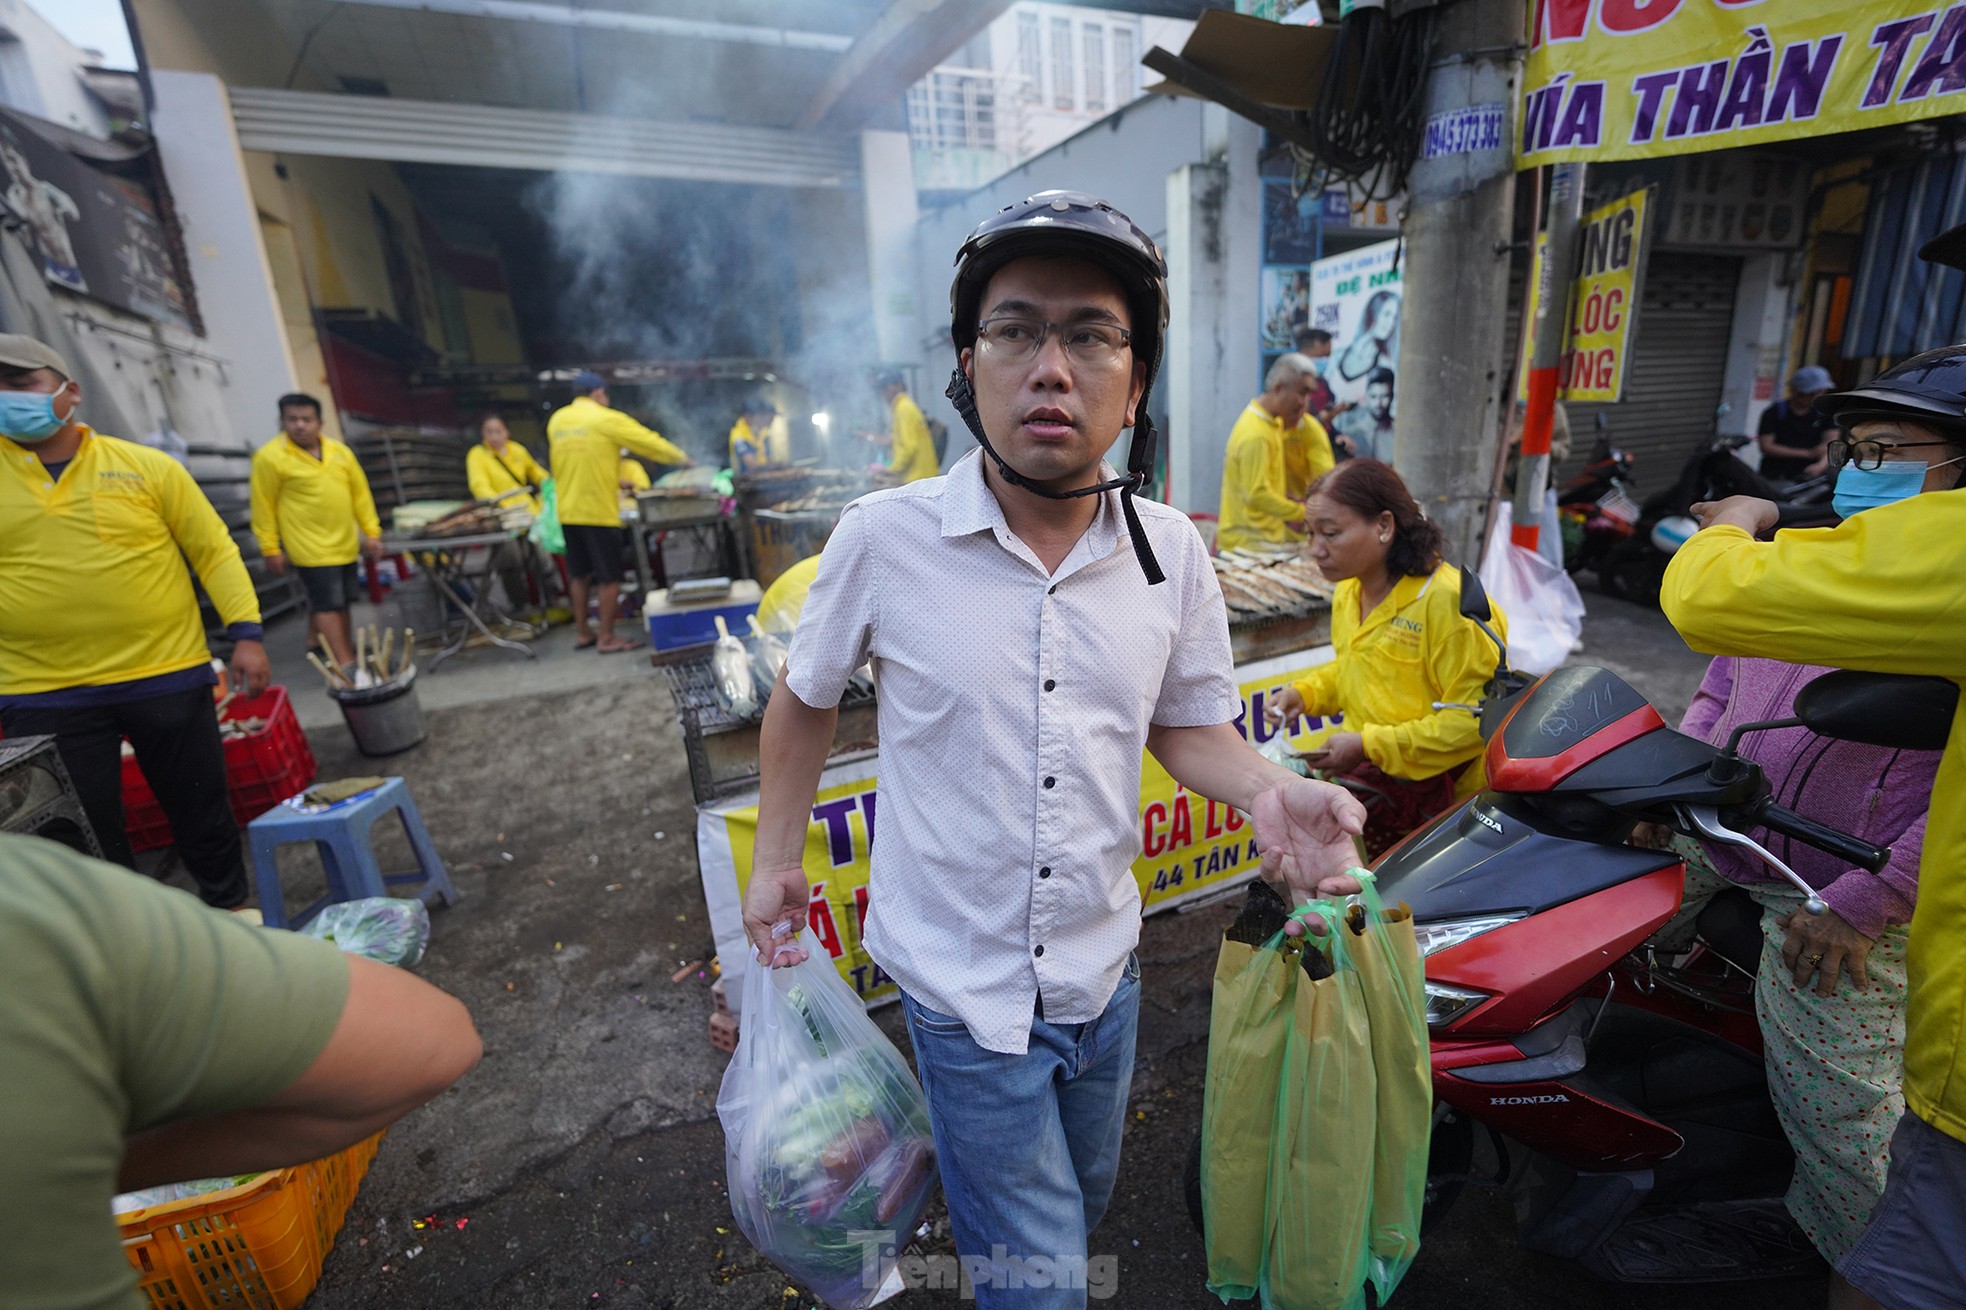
x=771, y=898
x=277, y=562
x=1758, y=517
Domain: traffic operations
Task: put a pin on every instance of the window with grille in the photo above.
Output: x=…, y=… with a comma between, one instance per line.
x=1030, y=58
x=1061, y=63
x=1126, y=64
x=953, y=108
x=1093, y=38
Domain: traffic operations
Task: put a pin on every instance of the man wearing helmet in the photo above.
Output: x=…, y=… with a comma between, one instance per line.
x=1025, y=656
x=1881, y=592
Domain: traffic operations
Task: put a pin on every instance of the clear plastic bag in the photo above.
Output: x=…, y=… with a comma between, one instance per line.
x=827, y=1151
x=1543, y=609
x=387, y=929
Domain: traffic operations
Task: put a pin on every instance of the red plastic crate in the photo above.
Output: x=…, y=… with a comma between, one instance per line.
x=261, y=770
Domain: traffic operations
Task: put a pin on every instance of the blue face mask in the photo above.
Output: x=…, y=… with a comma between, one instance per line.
x=1861, y=489
x=1320, y=364
x=29, y=416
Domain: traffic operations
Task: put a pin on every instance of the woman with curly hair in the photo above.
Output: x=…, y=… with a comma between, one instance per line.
x=1401, y=645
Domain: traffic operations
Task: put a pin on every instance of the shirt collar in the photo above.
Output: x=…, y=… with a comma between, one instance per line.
x=1407, y=590
x=968, y=505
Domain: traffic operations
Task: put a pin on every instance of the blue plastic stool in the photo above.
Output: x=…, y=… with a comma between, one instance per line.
x=341, y=833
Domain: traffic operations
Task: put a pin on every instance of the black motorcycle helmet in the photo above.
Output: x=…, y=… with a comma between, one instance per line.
x=1054, y=224
x=1929, y=388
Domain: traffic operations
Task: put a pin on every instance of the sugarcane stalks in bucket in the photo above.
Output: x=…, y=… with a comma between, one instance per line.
x=373, y=655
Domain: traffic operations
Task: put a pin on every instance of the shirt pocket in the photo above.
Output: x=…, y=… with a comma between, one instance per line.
x=127, y=522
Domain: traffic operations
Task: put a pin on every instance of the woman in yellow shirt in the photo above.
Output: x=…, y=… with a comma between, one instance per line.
x=500, y=467
x=1401, y=646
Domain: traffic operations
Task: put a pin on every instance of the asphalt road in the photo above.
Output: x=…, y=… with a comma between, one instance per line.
x=581, y=1165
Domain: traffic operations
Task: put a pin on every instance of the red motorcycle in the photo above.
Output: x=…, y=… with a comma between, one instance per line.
x=1622, y=1090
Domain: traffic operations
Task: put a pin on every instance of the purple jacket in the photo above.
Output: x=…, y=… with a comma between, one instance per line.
x=1878, y=794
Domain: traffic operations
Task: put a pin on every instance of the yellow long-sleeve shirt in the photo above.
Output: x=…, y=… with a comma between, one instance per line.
x=586, y=440
x=504, y=474
x=1306, y=457
x=1884, y=591
x=308, y=509
x=751, y=449
x=914, y=449
x=1256, y=503
x=1394, y=663
x=785, y=599
x=93, y=588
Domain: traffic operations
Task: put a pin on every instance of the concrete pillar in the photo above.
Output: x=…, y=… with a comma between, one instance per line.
x=887, y=189
x=1214, y=228
x=199, y=149
x=1456, y=275
x=1757, y=364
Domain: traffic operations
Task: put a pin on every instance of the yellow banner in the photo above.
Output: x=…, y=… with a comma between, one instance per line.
x=1190, y=846
x=1603, y=303
x=1629, y=79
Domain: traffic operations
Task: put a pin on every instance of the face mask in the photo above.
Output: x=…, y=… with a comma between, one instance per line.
x=29, y=416
x=1320, y=364
x=1861, y=489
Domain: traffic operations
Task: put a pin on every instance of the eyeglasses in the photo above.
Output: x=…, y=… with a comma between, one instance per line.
x=1091, y=344
x=1869, y=455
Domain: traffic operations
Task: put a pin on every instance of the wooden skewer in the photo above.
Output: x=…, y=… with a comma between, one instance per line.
x=361, y=650
x=327, y=651
x=375, y=644
x=409, y=649
x=328, y=672
x=382, y=656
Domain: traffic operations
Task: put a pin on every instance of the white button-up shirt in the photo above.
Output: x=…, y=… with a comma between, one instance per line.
x=1014, y=705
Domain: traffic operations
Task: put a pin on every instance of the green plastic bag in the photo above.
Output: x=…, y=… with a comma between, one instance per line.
x=546, y=532
x=1317, y=1112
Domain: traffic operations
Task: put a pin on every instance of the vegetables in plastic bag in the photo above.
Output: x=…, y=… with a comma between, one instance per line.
x=827, y=1150
x=730, y=668
x=387, y=929
x=546, y=532
x=124, y=1202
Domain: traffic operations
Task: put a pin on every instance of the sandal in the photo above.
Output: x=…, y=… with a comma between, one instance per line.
x=614, y=646
x=584, y=643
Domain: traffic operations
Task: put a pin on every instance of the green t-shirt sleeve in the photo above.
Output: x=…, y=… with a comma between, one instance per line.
x=124, y=1005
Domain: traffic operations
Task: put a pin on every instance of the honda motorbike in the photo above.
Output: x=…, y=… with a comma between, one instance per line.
x=1597, y=509
x=1633, y=568
x=1621, y=1089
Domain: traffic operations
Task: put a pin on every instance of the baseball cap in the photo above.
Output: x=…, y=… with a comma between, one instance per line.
x=1812, y=377
x=17, y=351
x=587, y=380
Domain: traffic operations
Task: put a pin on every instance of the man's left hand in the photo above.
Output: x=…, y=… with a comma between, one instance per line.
x=1341, y=753
x=250, y=667
x=372, y=547
x=1751, y=513
x=1305, y=829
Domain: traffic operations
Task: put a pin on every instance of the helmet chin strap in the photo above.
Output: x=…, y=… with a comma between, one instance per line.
x=1139, y=460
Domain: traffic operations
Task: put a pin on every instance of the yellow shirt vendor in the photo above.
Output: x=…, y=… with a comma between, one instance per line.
x=785, y=598
x=757, y=439
x=1276, y=451
x=502, y=469
x=101, y=640
x=309, y=505
x=1401, y=644
x=586, y=440
x=1885, y=591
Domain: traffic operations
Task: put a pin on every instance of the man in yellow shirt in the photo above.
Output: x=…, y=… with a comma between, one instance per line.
x=310, y=497
x=1262, y=507
x=757, y=440
x=911, y=446
x=586, y=439
x=1883, y=591
x=100, y=636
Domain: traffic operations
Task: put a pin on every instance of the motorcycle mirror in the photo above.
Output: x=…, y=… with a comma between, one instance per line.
x=1894, y=710
x=1474, y=597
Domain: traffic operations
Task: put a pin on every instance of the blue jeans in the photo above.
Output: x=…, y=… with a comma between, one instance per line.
x=1029, y=1146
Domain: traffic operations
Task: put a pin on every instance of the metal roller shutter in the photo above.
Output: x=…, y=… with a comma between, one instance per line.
x=1678, y=365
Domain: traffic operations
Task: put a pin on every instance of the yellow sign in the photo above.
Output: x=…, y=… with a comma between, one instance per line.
x=1190, y=846
x=1603, y=303
x=1630, y=79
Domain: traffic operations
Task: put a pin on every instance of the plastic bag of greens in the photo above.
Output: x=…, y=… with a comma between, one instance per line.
x=388, y=929
x=546, y=532
x=827, y=1149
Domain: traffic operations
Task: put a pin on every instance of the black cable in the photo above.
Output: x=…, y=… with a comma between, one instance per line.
x=1367, y=125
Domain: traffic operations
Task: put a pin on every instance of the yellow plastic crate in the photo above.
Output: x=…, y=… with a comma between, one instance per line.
x=259, y=1246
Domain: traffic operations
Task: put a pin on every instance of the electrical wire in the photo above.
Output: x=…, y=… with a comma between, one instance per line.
x=1367, y=125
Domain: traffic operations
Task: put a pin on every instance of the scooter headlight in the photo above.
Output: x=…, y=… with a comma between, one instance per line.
x=1446, y=1004
x=1445, y=933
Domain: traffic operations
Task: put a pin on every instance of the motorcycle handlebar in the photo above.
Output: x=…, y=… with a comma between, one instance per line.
x=1825, y=838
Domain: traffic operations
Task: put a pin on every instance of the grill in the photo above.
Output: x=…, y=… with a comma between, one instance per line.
x=723, y=748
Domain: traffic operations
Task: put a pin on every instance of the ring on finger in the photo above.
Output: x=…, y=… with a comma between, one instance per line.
x=1816, y=958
